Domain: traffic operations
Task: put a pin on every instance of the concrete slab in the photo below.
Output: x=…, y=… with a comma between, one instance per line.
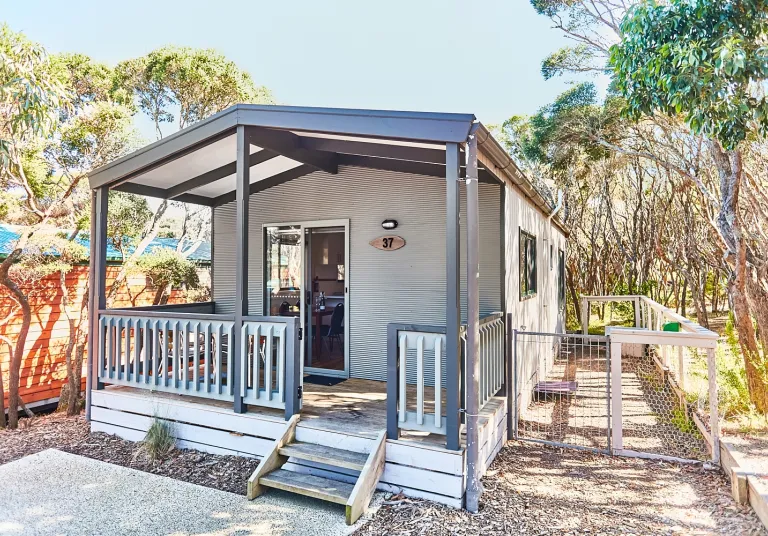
x=53, y=492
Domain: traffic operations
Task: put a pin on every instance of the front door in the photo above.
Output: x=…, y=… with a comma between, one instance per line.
x=306, y=275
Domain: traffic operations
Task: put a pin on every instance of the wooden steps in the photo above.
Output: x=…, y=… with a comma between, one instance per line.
x=356, y=497
x=309, y=485
x=326, y=455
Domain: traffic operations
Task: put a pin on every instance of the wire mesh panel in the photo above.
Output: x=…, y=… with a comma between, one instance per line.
x=562, y=389
x=663, y=395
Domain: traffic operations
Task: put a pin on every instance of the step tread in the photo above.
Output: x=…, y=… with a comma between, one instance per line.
x=308, y=485
x=327, y=455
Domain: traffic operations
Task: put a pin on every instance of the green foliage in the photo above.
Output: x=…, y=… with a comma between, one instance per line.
x=568, y=59
x=31, y=94
x=168, y=267
x=680, y=420
x=197, y=82
x=127, y=216
x=47, y=254
x=704, y=59
x=159, y=441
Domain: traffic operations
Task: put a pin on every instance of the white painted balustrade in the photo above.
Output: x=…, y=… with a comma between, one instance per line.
x=421, y=342
x=191, y=354
x=491, y=356
x=263, y=366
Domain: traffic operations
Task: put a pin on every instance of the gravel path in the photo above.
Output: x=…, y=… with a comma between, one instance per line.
x=59, y=493
x=535, y=489
x=72, y=434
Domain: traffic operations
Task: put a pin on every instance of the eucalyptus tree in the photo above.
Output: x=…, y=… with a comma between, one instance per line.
x=54, y=128
x=707, y=61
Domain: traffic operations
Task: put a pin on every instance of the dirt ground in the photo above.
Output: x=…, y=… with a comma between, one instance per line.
x=72, y=434
x=533, y=489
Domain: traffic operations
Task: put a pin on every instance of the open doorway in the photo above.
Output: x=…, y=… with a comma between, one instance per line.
x=306, y=276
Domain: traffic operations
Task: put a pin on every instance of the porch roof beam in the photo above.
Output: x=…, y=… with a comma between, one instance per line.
x=408, y=166
x=269, y=182
x=219, y=173
x=162, y=193
x=289, y=145
x=383, y=150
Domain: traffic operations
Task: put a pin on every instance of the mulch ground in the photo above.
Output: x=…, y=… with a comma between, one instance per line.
x=71, y=434
x=534, y=489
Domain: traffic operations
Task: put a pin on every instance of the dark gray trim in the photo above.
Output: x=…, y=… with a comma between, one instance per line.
x=219, y=173
x=509, y=376
x=213, y=255
x=204, y=308
x=241, y=259
x=472, y=378
x=289, y=145
x=452, y=296
x=99, y=279
x=397, y=152
x=406, y=166
x=415, y=126
x=292, y=367
x=153, y=191
x=269, y=182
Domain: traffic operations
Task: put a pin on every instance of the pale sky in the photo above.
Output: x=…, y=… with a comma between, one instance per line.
x=479, y=57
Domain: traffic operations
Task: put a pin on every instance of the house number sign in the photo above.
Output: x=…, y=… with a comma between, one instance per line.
x=388, y=243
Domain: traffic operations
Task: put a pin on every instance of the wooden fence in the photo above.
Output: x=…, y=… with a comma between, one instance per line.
x=43, y=371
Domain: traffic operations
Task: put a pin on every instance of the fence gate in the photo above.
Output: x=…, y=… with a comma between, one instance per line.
x=562, y=389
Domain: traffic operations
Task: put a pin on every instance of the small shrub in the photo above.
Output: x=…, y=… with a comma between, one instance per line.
x=159, y=441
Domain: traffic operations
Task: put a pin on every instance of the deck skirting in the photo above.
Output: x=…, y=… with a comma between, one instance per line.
x=415, y=469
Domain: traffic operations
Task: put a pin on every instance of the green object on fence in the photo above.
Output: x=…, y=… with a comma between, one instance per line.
x=671, y=326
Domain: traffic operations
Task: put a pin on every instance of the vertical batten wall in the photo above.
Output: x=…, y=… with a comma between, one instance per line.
x=407, y=285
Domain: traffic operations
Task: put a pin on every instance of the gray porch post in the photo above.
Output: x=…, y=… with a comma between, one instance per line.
x=474, y=486
x=241, y=261
x=97, y=289
x=452, y=308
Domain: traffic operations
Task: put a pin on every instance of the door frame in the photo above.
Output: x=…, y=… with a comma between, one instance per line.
x=312, y=224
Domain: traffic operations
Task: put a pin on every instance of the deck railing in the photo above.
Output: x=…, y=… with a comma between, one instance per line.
x=266, y=341
x=416, y=359
x=492, y=369
x=192, y=354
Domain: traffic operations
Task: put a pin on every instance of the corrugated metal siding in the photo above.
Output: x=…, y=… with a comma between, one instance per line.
x=407, y=285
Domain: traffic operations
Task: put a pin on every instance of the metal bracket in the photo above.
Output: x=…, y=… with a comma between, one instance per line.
x=301, y=334
x=300, y=391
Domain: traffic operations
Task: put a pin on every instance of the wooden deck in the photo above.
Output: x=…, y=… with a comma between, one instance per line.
x=348, y=415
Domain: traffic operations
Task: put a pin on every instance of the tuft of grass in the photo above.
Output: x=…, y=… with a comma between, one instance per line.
x=682, y=422
x=159, y=441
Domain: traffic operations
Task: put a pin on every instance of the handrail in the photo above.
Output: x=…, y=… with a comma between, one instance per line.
x=167, y=314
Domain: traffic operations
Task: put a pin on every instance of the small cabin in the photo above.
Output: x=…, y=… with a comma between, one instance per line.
x=367, y=270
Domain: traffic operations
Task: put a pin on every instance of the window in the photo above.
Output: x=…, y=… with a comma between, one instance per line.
x=527, y=265
x=561, y=278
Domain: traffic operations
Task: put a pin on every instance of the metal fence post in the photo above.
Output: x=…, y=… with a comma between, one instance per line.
x=515, y=408
x=510, y=377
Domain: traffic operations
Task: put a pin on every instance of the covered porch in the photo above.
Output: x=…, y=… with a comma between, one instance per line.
x=420, y=344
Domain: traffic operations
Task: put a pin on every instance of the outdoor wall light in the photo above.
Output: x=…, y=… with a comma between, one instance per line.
x=389, y=224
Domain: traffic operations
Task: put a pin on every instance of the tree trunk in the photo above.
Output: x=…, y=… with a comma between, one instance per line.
x=684, y=294
x=574, y=295
x=729, y=224
x=2, y=398
x=14, y=369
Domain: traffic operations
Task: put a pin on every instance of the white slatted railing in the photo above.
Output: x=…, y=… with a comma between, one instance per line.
x=419, y=344
x=491, y=356
x=177, y=353
x=263, y=366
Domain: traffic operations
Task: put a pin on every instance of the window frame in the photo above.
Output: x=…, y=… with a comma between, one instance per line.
x=561, y=290
x=524, y=239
